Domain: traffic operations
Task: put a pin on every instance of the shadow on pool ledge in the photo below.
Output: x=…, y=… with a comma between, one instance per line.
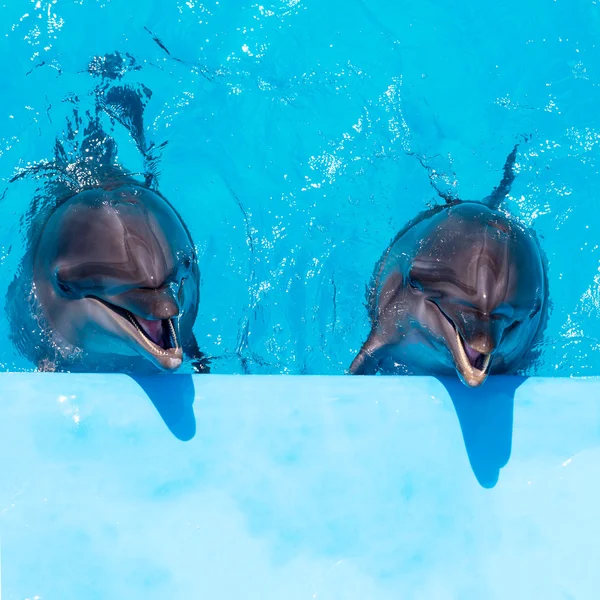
x=173, y=398
x=485, y=415
x=486, y=421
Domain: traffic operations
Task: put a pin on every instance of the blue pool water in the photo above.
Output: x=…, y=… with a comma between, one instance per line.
x=289, y=127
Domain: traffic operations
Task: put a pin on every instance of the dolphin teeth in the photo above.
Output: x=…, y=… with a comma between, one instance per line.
x=487, y=362
x=173, y=334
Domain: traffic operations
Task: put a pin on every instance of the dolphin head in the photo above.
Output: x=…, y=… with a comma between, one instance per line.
x=115, y=272
x=477, y=290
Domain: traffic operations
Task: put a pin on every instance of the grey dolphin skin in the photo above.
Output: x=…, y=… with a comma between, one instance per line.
x=115, y=284
x=110, y=278
x=463, y=288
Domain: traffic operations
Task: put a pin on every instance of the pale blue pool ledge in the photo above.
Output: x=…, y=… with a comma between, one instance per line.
x=290, y=488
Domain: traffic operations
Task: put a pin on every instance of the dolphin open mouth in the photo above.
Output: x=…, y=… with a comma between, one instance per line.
x=157, y=339
x=473, y=365
x=159, y=333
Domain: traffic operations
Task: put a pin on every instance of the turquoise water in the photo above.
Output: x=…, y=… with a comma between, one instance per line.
x=289, y=127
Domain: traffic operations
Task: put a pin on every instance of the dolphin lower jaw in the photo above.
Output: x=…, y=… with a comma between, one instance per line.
x=132, y=330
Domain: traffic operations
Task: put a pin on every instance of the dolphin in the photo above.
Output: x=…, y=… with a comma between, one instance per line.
x=115, y=272
x=114, y=285
x=463, y=287
x=110, y=278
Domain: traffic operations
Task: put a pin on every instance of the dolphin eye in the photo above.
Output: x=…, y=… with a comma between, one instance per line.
x=181, y=291
x=504, y=311
x=414, y=284
x=187, y=262
x=512, y=327
x=64, y=288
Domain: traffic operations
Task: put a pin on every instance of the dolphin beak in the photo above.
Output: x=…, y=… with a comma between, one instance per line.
x=472, y=365
x=150, y=305
x=156, y=339
x=153, y=313
x=472, y=360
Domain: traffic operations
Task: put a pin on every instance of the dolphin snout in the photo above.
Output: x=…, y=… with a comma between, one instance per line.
x=166, y=309
x=482, y=343
x=473, y=355
x=148, y=304
x=478, y=330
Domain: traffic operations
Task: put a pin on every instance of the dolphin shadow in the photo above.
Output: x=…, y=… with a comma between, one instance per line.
x=173, y=398
x=485, y=415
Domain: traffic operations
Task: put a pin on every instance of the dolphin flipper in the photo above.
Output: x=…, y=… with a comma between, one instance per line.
x=200, y=362
x=367, y=360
